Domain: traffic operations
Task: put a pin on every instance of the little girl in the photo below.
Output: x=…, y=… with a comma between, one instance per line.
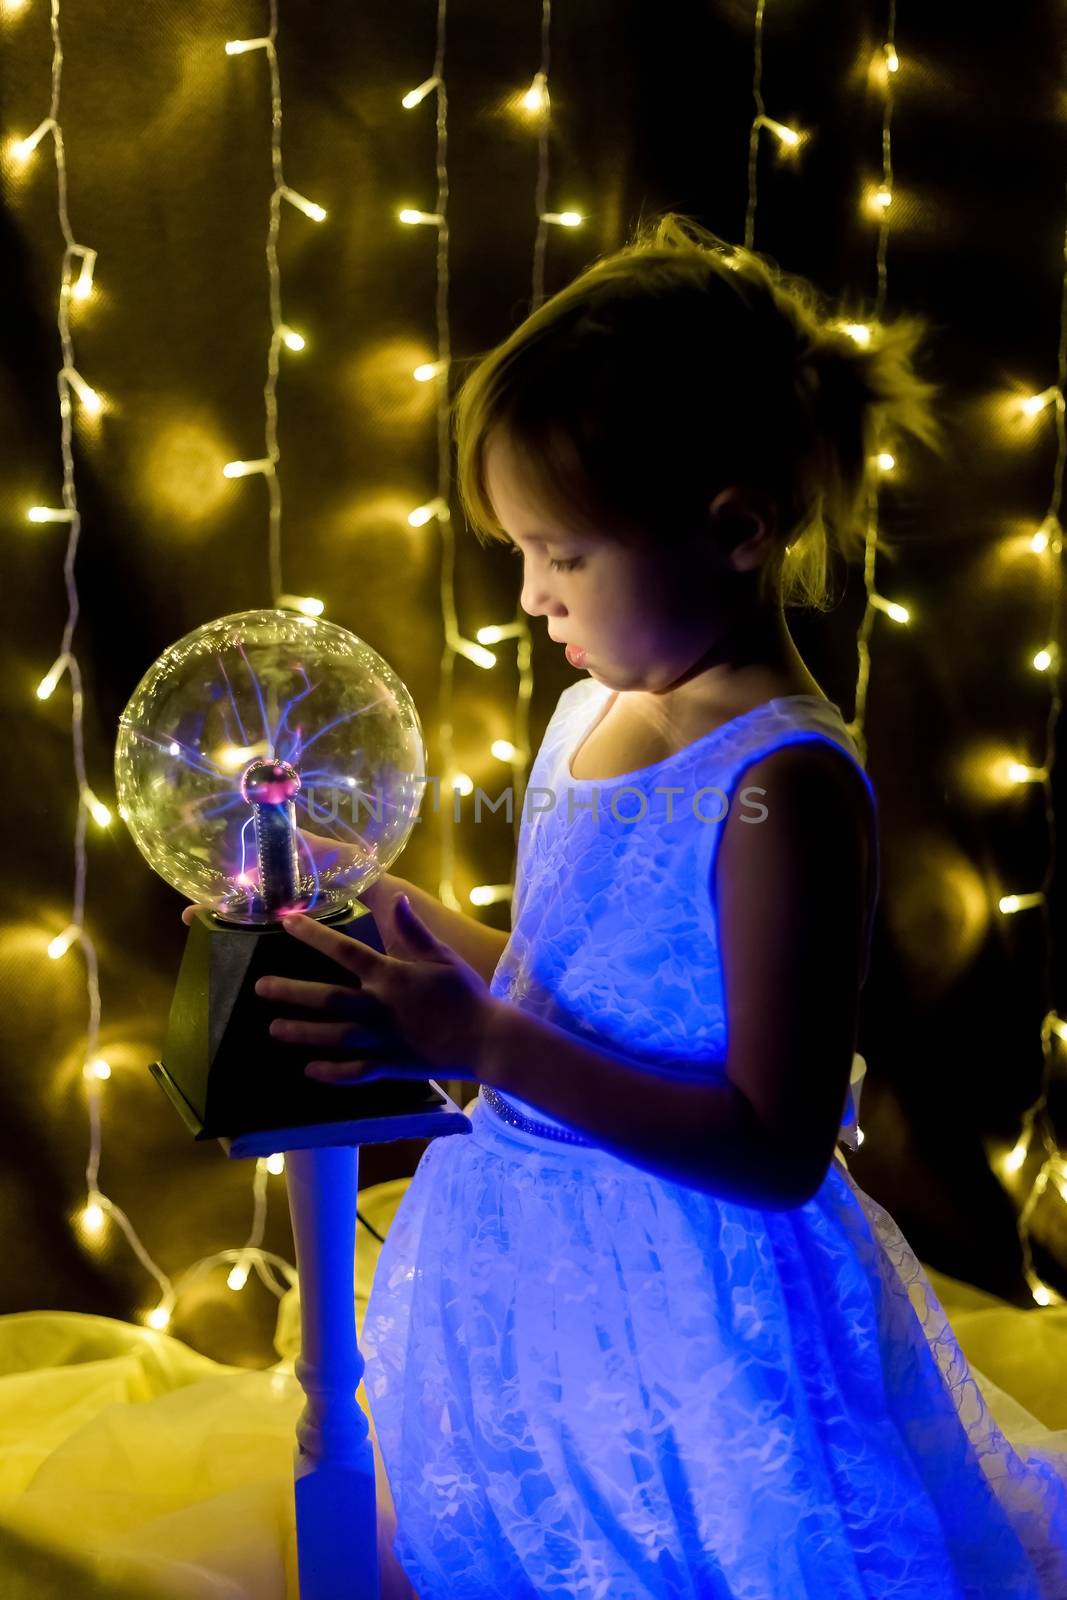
x=640, y=1335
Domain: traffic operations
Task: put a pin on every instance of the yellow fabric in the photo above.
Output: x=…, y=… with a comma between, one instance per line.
x=132, y=1467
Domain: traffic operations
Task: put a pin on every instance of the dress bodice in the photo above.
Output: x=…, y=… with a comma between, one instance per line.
x=614, y=932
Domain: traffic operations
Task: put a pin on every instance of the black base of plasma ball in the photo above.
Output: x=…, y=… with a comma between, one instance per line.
x=222, y=1068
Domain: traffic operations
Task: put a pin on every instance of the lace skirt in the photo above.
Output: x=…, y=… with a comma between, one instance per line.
x=591, y=1383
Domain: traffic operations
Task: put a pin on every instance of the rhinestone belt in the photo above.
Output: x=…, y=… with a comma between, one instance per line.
x=507, y=1113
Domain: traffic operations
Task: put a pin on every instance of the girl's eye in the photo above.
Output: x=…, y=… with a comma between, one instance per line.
x=565, y=566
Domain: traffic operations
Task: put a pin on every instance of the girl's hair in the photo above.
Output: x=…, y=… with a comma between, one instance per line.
x=680, y=365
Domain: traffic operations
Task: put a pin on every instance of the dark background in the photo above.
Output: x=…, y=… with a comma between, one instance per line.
x=168, y=158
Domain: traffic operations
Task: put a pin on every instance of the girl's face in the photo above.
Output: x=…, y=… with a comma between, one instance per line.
x=643, y=615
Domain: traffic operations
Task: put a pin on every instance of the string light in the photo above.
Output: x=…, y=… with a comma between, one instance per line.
x=890, y=607
x=488, y=894
x=789, y=139
x=281, y=333
x=83, y=285
x=1037, y=1126
x=245, y=469
x=49, y=514
x=22, y=149
x=99, y=1210
x=88, y=397
x=427, y=218
x=304, y=603
x=1050, y=534
x=1036, y=403
x=415, y=97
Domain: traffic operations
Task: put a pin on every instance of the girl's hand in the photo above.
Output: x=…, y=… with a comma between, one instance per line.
x=421, y=995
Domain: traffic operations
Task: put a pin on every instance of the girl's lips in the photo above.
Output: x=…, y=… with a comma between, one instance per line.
x=576, y=655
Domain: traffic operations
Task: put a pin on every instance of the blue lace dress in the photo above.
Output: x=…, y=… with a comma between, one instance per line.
x=588, y=1382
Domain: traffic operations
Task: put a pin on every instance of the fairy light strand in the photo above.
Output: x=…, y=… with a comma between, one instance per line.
x=99, y=1207
x=1047, y=538
x=281, y=334
x=1053, y=1027
x=874, y=601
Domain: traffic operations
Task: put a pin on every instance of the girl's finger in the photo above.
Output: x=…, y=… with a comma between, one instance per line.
x=332, y=1035
x=320, y=996
x=339, y=1072
x=348, y=952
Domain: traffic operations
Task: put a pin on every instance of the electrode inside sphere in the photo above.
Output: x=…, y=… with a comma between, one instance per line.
x=270, y=708
x=270, y=783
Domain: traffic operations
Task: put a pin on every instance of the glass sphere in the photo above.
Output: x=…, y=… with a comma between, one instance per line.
x=270, y=762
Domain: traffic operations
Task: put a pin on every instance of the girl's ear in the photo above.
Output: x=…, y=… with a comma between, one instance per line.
x=743, y=522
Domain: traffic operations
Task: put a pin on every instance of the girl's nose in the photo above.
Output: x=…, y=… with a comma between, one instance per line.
x=535, y=600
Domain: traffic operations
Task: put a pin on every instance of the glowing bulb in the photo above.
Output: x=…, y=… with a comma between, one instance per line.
x=158, y=1318
x=536, y=97
x=435, y=508
x=1014, y=1161
x=859, y=331
x=787, y=136
x=428, y=370
x=99, y=1068
x=83, y=287
x=308, y=207
x=885, y=462
x=898, y=613
x=232, y=757
x=303, y=603
x=1037, y=402
x=237, y=47
x=51, y=678
x=409, y=214
x=564, y=219
x=237, y=1278
x=1011, y=903
x=88, y=397
x=1018, y=773
x=494, y=634
x=1048, y=533
x=883, y=198
x=859, y=1136
x=415, y=97
x=276, y=1165
x=291, y=339
x=62, y=942
x=463, y=783
x=892, y=60
x=244, y=469
x=49, y=514
x=101, y=814
x=22, y=149
x=503, y=749
x=174, y=749
x=1042, y=1294
x=92, y=1218
x=474, y=652
x=1043, y=660
x=487, y=894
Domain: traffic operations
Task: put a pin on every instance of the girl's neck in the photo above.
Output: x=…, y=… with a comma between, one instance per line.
x=754, y=661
